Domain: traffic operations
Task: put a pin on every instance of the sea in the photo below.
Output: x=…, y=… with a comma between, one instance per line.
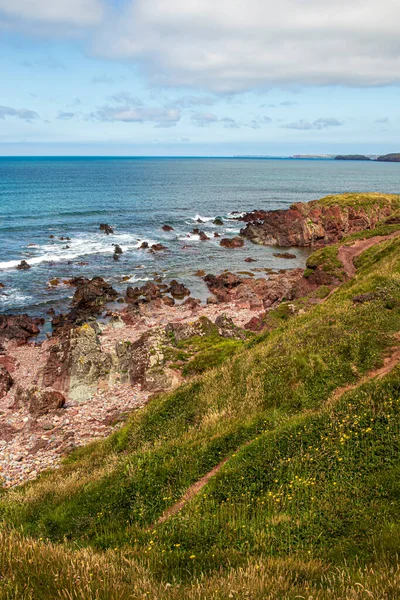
x=71, y=197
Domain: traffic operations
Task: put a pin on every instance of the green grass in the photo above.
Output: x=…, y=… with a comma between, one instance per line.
x=367, y=201
x=308, y=477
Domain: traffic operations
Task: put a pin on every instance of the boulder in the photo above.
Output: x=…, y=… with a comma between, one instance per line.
x=192, y=303
x=203, y=236
x=178, y=290
x=144, y=246
x=18, y=328
x=106, y=228
x=117, y=251
x=200, y=273
x=158, y=247
x=167, y=228
x=41, y=402
x=6, y=381
x=236, y=242
x=218, y=221
x=92, y=293
x=250, y=260
x=23, y=266
x=168, y=301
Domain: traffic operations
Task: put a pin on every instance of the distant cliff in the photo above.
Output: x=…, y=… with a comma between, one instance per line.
x=352, y=157
x=389, y=158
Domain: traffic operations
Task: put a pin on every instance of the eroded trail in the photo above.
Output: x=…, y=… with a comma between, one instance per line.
x=390, y=362
x=347, y=254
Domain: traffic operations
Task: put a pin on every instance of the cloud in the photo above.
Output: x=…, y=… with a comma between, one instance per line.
x=18, y=113
x=65, y=116
x=204, y=119
x=304, y=125
x=78, y=13
x=233, y=46
x=230, y=46
x=229, y=123
x=258, y=122
x=383, y=120
x=126, y=98
x=162, y=117
x=288, y=103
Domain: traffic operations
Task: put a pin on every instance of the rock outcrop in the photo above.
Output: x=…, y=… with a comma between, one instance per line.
x=255, y=294
x=320, y=222
x=19, y=328
x=389, y=158
x=77, y=365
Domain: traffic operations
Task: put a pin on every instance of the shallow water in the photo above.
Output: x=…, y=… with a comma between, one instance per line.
x=40, y=197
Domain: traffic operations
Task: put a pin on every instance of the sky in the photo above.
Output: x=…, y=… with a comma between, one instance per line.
x=199, y=77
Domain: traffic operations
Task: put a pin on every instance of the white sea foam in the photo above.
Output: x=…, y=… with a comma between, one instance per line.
x=234, y=216
x=204, y=219
x=135, y=279
x=78, y=247
x=189, y=237
x=13, y=297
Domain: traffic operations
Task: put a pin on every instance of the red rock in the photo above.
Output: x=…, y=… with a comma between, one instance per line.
x=236, y=242
x=167, y=228
x=311, y=224
x=6, y=381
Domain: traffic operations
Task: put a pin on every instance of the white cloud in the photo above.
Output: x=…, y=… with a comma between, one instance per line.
x=64, y=12
x=162, y=117
x=231, y=45
x=304, y=125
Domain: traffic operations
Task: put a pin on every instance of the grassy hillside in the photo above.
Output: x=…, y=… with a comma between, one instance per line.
x=306, y=505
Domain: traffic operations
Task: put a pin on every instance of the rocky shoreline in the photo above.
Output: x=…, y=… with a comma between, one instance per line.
x=102, y=363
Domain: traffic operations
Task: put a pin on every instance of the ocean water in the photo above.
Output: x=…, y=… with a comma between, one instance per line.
x=66, y=197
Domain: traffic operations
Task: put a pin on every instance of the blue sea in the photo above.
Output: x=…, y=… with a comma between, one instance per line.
x=70, y=197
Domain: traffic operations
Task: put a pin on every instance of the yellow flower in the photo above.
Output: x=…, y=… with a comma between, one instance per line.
x=193, y=556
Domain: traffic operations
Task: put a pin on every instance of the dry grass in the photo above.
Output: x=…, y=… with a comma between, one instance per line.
x=34, y=570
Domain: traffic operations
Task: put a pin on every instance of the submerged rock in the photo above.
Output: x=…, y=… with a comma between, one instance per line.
x=284, y=255
x=236, y=242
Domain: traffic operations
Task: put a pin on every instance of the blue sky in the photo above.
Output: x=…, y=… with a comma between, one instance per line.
x=162, y=77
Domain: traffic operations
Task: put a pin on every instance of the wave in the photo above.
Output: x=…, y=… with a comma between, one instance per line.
x=13, y=297
x=78, y=247
x=235, y=215
x=204, y=219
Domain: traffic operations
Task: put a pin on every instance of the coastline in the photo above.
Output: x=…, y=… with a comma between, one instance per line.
x=82, y=382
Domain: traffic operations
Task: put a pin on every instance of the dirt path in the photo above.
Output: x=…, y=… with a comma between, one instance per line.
x=347, y=254
x=390, y=362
